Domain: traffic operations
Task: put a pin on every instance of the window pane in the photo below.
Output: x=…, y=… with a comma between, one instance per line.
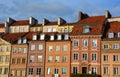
x=32, y=47
x=39, y=58
x=40, y=47
x=75, y=42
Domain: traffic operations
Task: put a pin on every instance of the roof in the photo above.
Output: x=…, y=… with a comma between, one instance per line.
x=52, y=23
x=94, y=30
x=20, y=22
x=13, y=37
x=113, y=27
x=2, y=25
x=92, y=20
x=37, y=25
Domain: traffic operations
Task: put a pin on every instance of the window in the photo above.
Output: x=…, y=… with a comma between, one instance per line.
x=30, y=72
x=20, y=29
x=42, y=36
x=31, y=58
x=84, y=56
x=66, y=37
x=24, y=50
x=62, y=30
x=85, y=42
x=57, y=48
x=63, y=58
x=18, y=72
x=75, y=70
x=94, y=42
x=39, y=58
x=34, y=37
x=94, y=56
x=63, y=70
x=86, y=30
x=105, y=70
x=115, y=57
x=23, y=61
x=105, y=57
x=115, y=70
x=57, y=58
x=19, y=50
x=24, y=29
x=64, y=47
x=54, y=29
x=13, y=61
x=1, y=58
x=94, y=70
x=38, y=71
x=7, y=58
x=49, y=70
x=49, y=58
x=32, y=47
x=14, y=50
x=52, y=37
x=75, y=42
x=19, y=41
x=2, y=49
x=24, y=40
x=115, y=46
x=56, y=70
x=75, y=56
x=105, y=46
x=111, y=35
x=40, y=47
x=49, y=30
x=59, y=37
x=0, y=70
x=118, y=34
x=18, y=61
x=23, y=72
x=8, y=48
x=50, y=48
x=5, y=70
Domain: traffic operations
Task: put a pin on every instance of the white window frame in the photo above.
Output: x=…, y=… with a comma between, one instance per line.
x=35, y=37
x=52, y=37
x=42, y=36
x=66, y=37
x=115, y=57
x=57, y=58
x=106, y=46
x=59, y=37
x=116, y=46
x=75, y=56
x=94, y=42
x=110, y=35
x=94, y=56
x=115, y=70
x=49, y=70
x=49, y=29
x=50, y=48
x=32, y=58
x=54, y=29
x=40, y=58
x=57, y=48
x=85, y=42
x=105, y=57
x=40, y=47
x=105, y=71
x=32, y=47
x=94, y=70
x=76, y=42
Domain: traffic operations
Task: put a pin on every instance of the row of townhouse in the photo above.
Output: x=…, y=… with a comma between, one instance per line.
x=58, y=48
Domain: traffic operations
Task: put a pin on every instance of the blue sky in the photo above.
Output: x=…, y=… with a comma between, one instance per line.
x=52, y=9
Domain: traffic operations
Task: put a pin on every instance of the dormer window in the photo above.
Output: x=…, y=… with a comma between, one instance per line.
x=19, y=41
x=42, y=36
x=111, y=35
x=52, y=37
x=86, y=29
x=66, y=37
x=118, y=34
x=24, y=40
x=34, y=37
x=59, y=37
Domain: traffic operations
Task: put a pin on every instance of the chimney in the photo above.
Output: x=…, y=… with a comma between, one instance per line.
x=107, y=14
x=82, y=16
x=6, y=27
x=10, y=20
x=33, y=21
x=44, y=21
x=61, y=21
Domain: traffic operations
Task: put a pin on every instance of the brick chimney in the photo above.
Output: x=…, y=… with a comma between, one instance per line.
x=82, y=16
x=61, y=21
x=33, y=21
x=44, y=21
x=107, y=14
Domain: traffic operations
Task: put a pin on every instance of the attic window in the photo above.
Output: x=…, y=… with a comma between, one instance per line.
x=34, y=37
x=111, y=35
x=42, y=36
x=66, y=37
x=118, y=34
x=19, y=41
x=86, y=29
x=52, y=37
x=59, y=37
x=24, y=40
x=54, y=30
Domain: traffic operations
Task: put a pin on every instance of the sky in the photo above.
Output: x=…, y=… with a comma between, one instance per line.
x=52, y=9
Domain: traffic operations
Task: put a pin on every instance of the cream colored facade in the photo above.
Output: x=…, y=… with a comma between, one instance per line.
x=65, y=28
x=5, y=49
x=35, y=29
x=110, y=58
x=50, y=28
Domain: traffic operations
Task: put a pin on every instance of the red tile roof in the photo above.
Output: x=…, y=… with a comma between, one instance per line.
x=20, y=22
x=52, y=23
x=2, y=25
x=92, y=20
x=13, y=37
x=96, y=29
x=38, y=25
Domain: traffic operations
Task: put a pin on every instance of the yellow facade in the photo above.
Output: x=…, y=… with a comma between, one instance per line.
x=35, y=29
x=5, y=48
